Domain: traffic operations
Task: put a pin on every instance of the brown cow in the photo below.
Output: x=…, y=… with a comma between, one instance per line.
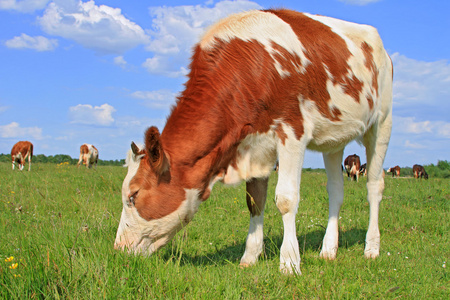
x=19, y=153
x=352, y=165
x=264, y=85
x=88, y=155
x=395, y=171
x=419, y=171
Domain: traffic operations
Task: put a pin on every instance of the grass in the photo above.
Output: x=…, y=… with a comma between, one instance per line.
x=58, y=224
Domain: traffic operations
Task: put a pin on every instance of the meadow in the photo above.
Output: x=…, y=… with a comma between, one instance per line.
x=58, y=225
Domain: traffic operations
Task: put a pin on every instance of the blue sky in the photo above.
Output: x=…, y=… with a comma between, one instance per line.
x=101, y=72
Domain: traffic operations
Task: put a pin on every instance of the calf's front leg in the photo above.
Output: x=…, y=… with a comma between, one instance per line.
x=287, y=195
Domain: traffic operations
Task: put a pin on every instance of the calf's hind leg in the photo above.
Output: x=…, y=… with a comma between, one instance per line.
x=335, y=189
x=256, y=200
x=376, y=142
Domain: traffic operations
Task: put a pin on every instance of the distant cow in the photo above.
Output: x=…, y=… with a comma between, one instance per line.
x=352, y=164
x=395, y=171
x=363, y=170
x=264, y=85
x=88, y=155
x=419, y=171
x=19, y=153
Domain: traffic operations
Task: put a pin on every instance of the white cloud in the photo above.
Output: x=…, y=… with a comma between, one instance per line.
x=3, y=108
x=164, y=65
x=176, y=29
x=92, y=115
x=359, y=2
x=420, y=81
x=408, y=144
x=133, y=126
x=161, y=99
x=38, y=43
x=13, y=130
x=25, y=6
x=421, y=126
x=120, y=61
x=409, y=125
x=98, y=27
x=443, y=129
x=421, y=89
x=428, y=129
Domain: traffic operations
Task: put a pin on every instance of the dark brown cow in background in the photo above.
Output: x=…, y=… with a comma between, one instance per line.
x=419, y=171
x=395, y=171
x=19, y=153
x=363, y=170
x=352, y=164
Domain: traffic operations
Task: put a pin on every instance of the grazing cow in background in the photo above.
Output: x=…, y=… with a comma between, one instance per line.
x=88, y=155
x=395, y=171
x=19, y=153
x=264, y=85
x=352, y=165
x=363, y=170
x=419, y=171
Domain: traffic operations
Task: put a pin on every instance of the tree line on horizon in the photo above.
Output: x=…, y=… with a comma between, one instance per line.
x=440, y=170
x=62, y=158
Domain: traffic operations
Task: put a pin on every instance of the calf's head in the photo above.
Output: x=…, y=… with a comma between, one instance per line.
x=155, y=203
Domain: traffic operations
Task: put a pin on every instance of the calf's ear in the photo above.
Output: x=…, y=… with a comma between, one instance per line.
x=156, y=156
x=134, y=148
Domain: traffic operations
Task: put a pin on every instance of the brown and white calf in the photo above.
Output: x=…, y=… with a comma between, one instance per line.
x=19, y=153
x=264, y=85
x=352, y=165
x=419, y=171
x=395, y=171
x=88, y=155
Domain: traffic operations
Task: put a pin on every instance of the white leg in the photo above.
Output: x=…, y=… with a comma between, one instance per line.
x=376, y=142
x=256, y=199
x=335, y=189
x=374, y=193
x=289, y=252
x=29, y=163
x=254, y=243
x=291, y=155
x=357, y=175
x=13, y=165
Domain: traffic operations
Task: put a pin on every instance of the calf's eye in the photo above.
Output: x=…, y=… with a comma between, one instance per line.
x=132, y=198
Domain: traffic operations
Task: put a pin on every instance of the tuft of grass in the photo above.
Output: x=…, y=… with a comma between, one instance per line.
x=58, y=223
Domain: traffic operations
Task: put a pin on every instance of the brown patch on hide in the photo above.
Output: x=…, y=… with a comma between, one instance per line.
x=327, y=52
x=84, y=149
x=370, y=65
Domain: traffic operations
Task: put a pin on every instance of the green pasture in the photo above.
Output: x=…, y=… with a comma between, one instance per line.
x=58, y=225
